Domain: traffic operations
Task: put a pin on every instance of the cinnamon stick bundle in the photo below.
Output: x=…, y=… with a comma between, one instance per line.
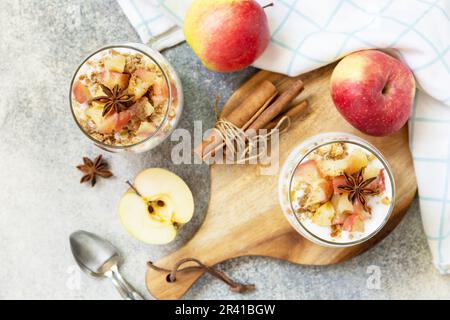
x=241, y=116
x=257, y=111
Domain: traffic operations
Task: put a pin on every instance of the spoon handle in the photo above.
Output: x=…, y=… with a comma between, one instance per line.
x=126, y=291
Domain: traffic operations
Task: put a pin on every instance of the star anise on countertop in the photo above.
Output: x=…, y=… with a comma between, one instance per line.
x=115, y=100
x=92, y=169
x=357, y=189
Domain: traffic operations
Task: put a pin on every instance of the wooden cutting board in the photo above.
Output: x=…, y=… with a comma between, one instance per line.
x=244, y=217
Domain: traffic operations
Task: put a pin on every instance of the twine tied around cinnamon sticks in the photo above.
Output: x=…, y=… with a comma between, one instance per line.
x=243, y=147
x=238, y=133
x=172, y=276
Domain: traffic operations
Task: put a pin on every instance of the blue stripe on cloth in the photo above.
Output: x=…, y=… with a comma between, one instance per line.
x=139, y=13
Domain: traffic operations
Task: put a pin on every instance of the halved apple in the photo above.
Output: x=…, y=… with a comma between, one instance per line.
x=163, y=205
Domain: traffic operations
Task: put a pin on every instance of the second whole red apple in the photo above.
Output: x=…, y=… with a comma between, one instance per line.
x=373, y=91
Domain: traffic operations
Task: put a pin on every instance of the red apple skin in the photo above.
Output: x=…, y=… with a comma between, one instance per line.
x=373, y=91
x=227, y=35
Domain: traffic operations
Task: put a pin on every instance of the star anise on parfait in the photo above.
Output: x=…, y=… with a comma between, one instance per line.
x=115, y=100
x=357, y=188
x=92, y=169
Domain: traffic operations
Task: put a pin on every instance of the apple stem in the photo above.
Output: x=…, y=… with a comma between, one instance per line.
x=134, y=189
x=268, y=5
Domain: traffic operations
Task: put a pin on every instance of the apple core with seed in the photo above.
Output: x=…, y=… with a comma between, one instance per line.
x=156, y=207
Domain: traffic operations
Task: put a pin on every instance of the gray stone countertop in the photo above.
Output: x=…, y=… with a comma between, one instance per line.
x=42, y=202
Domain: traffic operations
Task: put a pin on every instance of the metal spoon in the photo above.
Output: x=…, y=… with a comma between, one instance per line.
x=99, y=258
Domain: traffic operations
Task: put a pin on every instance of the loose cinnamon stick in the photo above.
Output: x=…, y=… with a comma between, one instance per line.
x=259, y=112
x=292, y=113
x=240, y=117
x=252, y=104
x=277, y=107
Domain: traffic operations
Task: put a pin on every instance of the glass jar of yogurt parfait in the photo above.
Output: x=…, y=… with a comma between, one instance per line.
x=126, y=98
x=336, y=190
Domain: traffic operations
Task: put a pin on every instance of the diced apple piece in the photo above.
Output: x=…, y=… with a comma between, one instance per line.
x=98, y=91
x=145, y=129
x=116, y=63
x=358, y=225
x=145, y=75
x=335, y=201
x=160, y=88
x=122, y=120
x=140, y=82
x=98, y=105
x=107, y=124
x=359, y=210
x=308, y=172
x=343, y=208
x=343, y=205
x=321, y=192
x=333, y=168
x=379, y=184
x=353, y=223
x=142, y=108
x=111, y=79
x=371, y=171
x=356, y=161
x=337, y=182
x=114, y=122
x=95, y=113
x=324, y=215
x=332, y=151
x=161, y=92
x=81, y=92
x=339, y=218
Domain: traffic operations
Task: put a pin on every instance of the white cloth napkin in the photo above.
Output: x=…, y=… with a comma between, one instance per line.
x=307, y=34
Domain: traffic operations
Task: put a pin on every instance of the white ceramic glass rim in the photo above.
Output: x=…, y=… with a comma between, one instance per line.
x=337, y=137
x=136, y=47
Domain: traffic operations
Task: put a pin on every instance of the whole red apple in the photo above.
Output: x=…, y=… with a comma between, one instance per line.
x=373, y=91
x=227, y=35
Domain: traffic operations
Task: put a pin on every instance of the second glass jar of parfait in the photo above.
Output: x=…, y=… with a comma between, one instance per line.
x=336, y=190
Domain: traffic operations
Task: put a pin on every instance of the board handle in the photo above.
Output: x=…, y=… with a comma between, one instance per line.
x=158, y=280
x=160, y=287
